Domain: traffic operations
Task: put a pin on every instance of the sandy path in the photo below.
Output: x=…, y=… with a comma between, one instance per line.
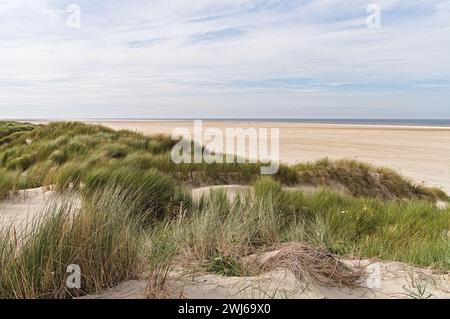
x=420, y=153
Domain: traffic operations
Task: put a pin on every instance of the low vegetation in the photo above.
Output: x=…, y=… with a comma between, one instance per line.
x=361, y=179
x=123, y=209
x=221, y=233
x=102, y=237
x=70, y=153
x=12, y=130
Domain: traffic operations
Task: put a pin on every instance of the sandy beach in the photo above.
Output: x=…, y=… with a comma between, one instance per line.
x=420, y=153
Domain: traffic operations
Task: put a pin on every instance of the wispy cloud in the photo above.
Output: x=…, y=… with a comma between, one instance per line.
x=218, y=57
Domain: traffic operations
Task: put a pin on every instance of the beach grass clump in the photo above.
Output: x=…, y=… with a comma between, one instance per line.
x=361, y=179
x=152, y=191
x=219, y=234
x=58, y=157
x=115, y=151
x=102, y=237
x=6, y=182
x=68, y=175
x=70, y=144
x=22, y=162
x=226, y=266
x=361, y=227
x=216, y=233
x=8, y=128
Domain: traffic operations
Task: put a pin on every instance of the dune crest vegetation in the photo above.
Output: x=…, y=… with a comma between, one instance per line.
x=69, y=153
x=136, y=216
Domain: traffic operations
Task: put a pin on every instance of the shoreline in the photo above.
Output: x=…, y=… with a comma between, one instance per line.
x=278, y=122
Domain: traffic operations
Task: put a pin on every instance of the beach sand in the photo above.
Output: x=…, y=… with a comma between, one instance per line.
x=381, y=280
x=420, y=153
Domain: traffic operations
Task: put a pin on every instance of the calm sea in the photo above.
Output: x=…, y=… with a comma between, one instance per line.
x=405, y=122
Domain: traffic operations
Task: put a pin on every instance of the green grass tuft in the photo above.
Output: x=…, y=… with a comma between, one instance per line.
x=103, y=239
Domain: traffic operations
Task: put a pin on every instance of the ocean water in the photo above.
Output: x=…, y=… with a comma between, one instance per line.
x=399, y=122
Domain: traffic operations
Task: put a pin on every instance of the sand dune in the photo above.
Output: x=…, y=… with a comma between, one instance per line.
x=24, y=206
x=396, y=281
x=420, y=153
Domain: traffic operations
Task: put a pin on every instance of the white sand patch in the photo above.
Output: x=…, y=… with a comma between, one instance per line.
x=24, y=205
x=232, y=191
x=396, y=281
x=27, y=206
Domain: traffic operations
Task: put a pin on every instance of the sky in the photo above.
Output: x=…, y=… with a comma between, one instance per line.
x=224, y=59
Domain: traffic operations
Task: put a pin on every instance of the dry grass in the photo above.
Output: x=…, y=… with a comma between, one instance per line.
x=308, y=264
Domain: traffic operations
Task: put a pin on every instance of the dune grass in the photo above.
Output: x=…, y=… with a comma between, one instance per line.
x=70, y=153
x=361, y=179
x=102, y=238
x=218, y=233
x=115, y=235
x=154, y=194
x=11, y=130
x=6, y=182
x=136, y=209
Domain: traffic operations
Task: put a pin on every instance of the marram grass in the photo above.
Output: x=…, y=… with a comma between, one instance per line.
x=414, y=232
x=102, y=237
x=132, y=213
x=69, y=153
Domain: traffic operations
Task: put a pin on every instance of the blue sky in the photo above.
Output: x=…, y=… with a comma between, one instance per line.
x=225, y=58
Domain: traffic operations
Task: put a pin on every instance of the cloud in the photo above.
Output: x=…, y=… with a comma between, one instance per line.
x=223, y=53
